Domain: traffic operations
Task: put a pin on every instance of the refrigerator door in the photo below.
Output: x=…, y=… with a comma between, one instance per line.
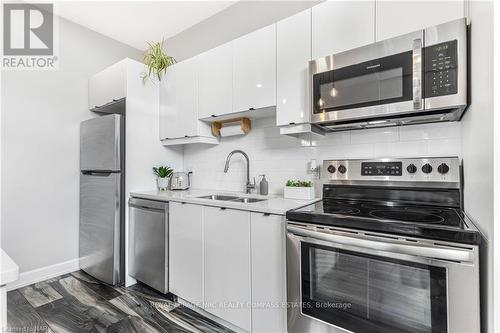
x=100, y=221
x=100, y=143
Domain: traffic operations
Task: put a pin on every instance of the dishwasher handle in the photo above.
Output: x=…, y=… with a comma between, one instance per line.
x=146, y=204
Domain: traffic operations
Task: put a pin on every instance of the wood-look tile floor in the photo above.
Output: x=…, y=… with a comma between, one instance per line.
x=77, y=302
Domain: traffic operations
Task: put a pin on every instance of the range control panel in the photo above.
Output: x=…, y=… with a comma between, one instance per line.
x=439, y=169
x=440, y=64
x=381, y=168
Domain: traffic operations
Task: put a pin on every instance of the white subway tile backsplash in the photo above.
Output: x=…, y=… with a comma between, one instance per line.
x=282, y=157
x=430, y=131
x=374, y=135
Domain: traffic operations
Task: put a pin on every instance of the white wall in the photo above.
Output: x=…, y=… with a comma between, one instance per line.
x=41, y=113
x=281, y=157
x=477, y=136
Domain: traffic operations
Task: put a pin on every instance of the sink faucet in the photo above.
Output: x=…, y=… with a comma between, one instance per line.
x=249, y=186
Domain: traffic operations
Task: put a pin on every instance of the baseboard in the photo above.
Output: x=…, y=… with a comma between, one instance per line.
x=44, y=273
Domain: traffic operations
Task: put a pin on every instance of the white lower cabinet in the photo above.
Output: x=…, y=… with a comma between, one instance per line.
x=231, y=263
x=268, y=273
x=186, y=251
x=227, y=265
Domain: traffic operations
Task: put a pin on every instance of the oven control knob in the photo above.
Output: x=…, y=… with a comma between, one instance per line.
x=411, y=168
x=331, y=169
x=342, y=168
x=427, y=168
x=443, y=168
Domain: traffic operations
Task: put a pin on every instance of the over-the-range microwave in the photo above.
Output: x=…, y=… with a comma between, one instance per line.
x=418, y=77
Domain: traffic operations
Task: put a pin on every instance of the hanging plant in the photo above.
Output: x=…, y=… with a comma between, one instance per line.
x=157, y=61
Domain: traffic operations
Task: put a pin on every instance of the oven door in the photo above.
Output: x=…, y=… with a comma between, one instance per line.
x=370, y=82
x=360, y=285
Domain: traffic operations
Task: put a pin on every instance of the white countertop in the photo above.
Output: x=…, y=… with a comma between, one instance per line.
x=9, y=271
x=273, y=204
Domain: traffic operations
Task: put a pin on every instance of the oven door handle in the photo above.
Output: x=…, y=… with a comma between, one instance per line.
x=414, y=250
x=417, y=73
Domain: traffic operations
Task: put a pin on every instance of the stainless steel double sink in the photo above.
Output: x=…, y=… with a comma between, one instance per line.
x=230, y=198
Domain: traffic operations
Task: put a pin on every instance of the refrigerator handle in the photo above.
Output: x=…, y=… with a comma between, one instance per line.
x=103, y=173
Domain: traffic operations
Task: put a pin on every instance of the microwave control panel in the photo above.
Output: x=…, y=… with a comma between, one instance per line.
x=440, y=75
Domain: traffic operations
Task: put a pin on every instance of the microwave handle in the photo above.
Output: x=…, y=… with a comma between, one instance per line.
x=417, y=73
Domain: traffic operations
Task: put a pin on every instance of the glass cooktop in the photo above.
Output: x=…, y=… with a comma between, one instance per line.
x=386, y=212
x=390, y=212
x=433, y=222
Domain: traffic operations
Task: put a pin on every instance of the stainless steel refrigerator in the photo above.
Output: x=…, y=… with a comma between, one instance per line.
x=102, y=205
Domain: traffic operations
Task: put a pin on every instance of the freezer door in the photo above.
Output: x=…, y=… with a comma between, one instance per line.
x=100, y=223
x=100, y=143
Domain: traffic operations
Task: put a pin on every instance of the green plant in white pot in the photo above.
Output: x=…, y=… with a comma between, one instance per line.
x=157, y=61
x=163, y=174
x=299, y=189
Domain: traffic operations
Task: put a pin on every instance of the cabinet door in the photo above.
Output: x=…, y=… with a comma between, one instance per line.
x=186, y=252
x=399, y=17
x=169, y=114
x=215, y=81
x=178, y=101
x=342, y=25
x=293, y=46
x=254, y=70
x=107, y=85
x=268, y=272
x=227, y=264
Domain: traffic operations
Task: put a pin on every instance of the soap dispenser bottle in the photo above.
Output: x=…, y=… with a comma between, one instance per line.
x=264, y=186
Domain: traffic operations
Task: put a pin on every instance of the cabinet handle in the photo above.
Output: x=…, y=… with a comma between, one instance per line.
x=267, y=214
x=291, y=123
x=223, y=208
x=213, y=115
x=251, y=109
x=183, y=203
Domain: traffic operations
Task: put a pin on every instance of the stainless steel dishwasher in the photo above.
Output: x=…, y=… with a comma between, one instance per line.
x=148, y=242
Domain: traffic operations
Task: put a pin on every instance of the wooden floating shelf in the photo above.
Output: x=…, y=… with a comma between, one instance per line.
x=245, y=123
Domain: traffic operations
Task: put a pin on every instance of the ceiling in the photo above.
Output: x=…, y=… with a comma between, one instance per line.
x=137, y=22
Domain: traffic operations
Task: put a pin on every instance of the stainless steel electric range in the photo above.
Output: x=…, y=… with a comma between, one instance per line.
x=388, y=249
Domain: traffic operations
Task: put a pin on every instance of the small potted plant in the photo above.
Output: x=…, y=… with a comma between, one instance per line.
x=299, y=189
x=163, y=176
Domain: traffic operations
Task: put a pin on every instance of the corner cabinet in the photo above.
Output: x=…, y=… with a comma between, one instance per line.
x=179, y=122
x=254, y=70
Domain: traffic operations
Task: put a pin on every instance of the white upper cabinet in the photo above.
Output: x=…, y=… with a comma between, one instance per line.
x=108, y=85
x=215, y=81
x=254, y=70
x=342, y=25
x=179, y=105
x=293, y=47
x=399, y=17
